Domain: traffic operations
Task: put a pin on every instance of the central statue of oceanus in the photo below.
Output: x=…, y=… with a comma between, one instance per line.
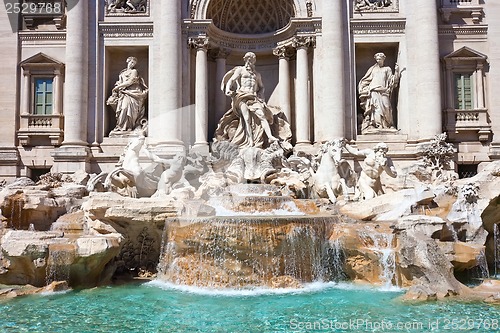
x=250, y=122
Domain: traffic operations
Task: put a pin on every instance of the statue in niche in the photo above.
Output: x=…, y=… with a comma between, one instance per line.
x=128, y=101
x=126, y=6
x=371, y=4
x=375, y=89
x=250, y=122
x=374, y=164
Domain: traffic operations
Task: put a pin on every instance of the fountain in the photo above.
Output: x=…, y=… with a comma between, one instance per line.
x=253, y=240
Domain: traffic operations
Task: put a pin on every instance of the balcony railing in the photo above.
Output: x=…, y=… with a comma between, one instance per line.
x=471, y=7
x=475, y=120
x=34, y=128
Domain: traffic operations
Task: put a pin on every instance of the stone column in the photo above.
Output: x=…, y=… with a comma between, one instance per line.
x=480, y=89
x=450, y=101
x=424, y=69
x=25, y=100
x=57, y=89
x=220, y=97
x=76, y=83
x=74, y=153
x=493, y=10
x=284, y=80
x=200, y=44
x=165, y=122
x=302, y=98
x=329, y=117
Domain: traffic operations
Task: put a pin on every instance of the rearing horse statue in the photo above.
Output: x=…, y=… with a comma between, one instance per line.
x=334, y=175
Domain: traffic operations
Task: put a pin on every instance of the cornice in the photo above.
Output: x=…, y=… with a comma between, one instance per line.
x=379, y=26
x=473, y=30
x=126, y=30
x=26, y=36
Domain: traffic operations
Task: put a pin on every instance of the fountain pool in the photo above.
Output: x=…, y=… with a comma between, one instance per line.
x=160, y=307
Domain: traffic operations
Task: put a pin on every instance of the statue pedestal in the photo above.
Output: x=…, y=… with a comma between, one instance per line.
x=400, y=148
x=394, y=140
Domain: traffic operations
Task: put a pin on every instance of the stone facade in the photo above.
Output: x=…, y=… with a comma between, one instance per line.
x=312, y=54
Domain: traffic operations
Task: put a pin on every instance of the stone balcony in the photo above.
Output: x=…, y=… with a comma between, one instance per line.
x=36, y=129
x=471, y=8
x=458, y=122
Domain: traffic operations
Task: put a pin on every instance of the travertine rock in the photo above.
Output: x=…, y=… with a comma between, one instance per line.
x=34, y=257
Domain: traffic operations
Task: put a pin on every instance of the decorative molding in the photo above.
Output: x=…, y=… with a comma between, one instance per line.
x=309, y=8
x=200, y=42
x=128, y=8
x=375, y=6
x=218, y=53
x=303, y=42
x=9, y=156
x=255, y=43
x=126, y=30
x=283, y=51
x=472, y=30
x=193, y=6
x=378, y=27
x=29, y=36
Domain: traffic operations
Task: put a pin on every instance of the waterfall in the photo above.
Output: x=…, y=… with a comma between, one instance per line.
x=382, y=245
x=336, y=257
x=482, y=271
x=247, y=251
x=60, y=257
x=16, y=212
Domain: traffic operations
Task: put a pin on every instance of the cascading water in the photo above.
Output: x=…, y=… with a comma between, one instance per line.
x=237, y=252
x=336, y=258
x=254, y=247
x=382, y=245
x=58, y=264
x=482, y=267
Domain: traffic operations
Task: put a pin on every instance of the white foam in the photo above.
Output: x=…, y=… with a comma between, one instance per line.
x=52, y=293
x=258, y=291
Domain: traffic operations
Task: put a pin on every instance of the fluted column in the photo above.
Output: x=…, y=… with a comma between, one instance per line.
x=424, y=69
x=284, y=81
x=220, y=97
x=329, y=117
x=165, y=124
x=302, y=98
x=200, y=44
x=76, y=84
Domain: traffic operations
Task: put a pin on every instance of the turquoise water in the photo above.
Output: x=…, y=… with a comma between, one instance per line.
x=155, y=307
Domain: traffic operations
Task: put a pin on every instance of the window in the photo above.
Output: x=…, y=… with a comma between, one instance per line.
x=41, y=120
x=466, y=115
x=463, y=91
x=44, y=96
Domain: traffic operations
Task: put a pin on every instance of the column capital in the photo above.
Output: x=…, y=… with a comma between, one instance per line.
x=282, y=52
x=219, y=53
x=299, y=42
x=200, y=42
